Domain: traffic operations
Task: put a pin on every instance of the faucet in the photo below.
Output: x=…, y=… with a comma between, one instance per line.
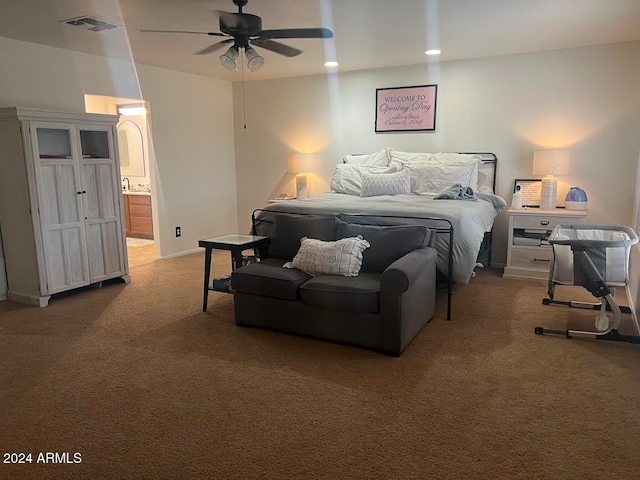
x=128, y=184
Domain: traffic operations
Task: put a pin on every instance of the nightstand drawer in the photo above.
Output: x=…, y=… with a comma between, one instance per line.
x=544, y=221
x=537, y=221
x=535, y=257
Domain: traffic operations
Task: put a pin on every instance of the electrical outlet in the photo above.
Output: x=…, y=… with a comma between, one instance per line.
x=178, y=231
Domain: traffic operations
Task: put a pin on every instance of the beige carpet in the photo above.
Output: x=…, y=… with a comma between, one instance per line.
x=144, y=385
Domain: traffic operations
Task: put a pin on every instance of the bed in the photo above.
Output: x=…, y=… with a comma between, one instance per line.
x=466, y=225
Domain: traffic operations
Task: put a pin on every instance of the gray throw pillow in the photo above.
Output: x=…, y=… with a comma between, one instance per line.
x=289, y=229
x=387, y=243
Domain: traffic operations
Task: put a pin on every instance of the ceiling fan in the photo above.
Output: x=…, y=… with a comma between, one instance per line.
x=245, y=30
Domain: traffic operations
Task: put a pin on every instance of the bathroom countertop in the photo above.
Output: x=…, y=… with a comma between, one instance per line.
x=127, y=192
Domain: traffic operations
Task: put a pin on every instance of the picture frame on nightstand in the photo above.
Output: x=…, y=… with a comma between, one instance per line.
x=530, y=191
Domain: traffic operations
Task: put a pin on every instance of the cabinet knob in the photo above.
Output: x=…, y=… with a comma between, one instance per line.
x=84, y=191
x=79, y=193
x=544, y=222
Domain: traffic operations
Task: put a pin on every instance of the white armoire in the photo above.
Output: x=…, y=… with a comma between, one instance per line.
x=60, y=202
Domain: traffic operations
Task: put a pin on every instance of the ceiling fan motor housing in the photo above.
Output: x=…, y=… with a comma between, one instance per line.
x=240, y=24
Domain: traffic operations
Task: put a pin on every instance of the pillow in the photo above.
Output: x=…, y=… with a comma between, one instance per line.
x=377, y=159
x=452, y=157
x=388, y=243
x=433, y=177
x=342, y=257
x=386, y=184
x=485, y=178
x=397, y=158
x=348, y=178
x=289, y=229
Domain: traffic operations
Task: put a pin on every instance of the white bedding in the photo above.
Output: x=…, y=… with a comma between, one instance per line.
x=470, y=220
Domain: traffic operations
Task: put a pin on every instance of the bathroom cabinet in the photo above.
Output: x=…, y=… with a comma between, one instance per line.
x=137, y=215
x=60, y=202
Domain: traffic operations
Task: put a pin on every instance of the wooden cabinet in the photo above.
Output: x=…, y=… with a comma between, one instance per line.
x=137, y=216
x=60, y=202
x=528, y=252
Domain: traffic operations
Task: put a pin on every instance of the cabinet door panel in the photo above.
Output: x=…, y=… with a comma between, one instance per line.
x=59, y=207
x=96, y=256
x=91, y=198
x=102, y=207
x=65, y=267
x=108, y=203
x=54, y=253
x=112, y=259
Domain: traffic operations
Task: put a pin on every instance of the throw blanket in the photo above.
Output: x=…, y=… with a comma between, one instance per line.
x=457, y=192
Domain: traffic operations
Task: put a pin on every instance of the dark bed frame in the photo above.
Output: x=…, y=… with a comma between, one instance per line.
x=447, y=228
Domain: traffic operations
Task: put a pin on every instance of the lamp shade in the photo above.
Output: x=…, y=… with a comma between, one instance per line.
x=551, y=162
x=301, y=162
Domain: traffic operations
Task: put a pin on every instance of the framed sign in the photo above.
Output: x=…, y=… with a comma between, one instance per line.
x=406, y=109
x=529, y=190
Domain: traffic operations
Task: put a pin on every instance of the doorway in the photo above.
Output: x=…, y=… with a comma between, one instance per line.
x=136, y=173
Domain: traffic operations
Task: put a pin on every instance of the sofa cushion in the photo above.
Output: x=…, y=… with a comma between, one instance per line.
x=342, y=257
x=288, y=230
x=268, y=278
x=387, y=243
x=359, y=294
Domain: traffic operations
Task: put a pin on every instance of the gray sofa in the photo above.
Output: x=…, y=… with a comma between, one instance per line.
x=382, y=308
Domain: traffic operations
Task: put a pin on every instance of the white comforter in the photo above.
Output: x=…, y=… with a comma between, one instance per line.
x=470, y=220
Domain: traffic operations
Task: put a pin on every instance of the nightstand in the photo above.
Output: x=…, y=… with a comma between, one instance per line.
x=276, y=200
x=528, y=253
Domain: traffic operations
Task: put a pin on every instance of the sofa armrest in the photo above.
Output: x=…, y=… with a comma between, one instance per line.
x=407, y=298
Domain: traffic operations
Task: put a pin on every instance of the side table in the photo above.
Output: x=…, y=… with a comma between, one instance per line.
x=236, y=243
x=528, y=252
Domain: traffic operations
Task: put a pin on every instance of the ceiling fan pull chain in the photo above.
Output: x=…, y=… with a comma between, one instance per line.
x=244, y=110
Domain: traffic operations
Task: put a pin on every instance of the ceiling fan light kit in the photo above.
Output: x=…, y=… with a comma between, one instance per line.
x=254, y=60
x=229, y=59
x=245, y=31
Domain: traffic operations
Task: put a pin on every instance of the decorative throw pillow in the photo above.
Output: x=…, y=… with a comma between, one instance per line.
x=342, y=257
x=377, y=159
x=386, y=184
x=348, y=178
x=431, y=178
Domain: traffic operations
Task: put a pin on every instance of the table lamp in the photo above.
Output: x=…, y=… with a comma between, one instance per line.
x=550, y=163
x=301, y=163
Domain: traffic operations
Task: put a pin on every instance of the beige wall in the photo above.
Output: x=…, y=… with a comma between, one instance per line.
x=584, y=99
x=191, y=126
x=634, y=263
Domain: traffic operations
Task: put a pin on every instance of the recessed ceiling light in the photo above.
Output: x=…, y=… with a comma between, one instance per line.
x=433, y=52
x=330, y=64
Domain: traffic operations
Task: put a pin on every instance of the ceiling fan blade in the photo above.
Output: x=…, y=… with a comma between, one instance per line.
x=296, y=33
x=215, y=34
x=277, y=47
x=214, y=47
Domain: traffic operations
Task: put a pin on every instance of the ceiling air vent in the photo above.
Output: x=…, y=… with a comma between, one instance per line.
x=94, y=24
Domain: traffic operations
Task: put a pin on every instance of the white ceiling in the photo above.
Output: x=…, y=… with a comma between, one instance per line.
x=368, y=33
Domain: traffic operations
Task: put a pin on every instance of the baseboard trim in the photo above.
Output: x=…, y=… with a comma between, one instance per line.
x=181, y=254
x=35, y=300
